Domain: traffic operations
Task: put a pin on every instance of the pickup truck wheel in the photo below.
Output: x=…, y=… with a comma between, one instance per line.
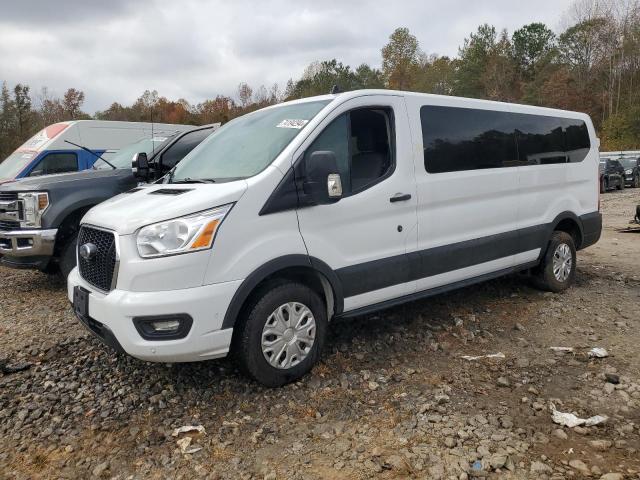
x=621, y=184
x=557, y=271
x=68, y=256
x=281, y=335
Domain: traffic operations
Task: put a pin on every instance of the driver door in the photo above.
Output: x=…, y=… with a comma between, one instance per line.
x=365, y=236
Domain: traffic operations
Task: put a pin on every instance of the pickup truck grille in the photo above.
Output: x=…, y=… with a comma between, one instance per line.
x=6, y=225
x=8, y=197
x=99, y=270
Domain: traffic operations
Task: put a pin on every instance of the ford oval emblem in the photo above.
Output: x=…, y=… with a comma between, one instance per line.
x=88, y=251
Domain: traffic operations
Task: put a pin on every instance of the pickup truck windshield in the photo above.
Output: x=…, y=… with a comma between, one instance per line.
x=124, y=156
x=247, y=145
x=14, y=164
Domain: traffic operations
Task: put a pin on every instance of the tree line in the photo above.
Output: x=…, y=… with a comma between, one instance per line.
x=592, y=66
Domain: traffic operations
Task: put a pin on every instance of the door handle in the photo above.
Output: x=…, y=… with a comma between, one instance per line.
x=400, y=197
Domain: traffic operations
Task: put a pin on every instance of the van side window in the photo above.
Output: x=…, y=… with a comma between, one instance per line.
x=457, y=139
x=56, y=163
x=182, y=147
x=362, y=141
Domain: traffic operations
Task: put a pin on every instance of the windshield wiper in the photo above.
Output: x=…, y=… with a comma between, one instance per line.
x=195, y=180
x=92, y=153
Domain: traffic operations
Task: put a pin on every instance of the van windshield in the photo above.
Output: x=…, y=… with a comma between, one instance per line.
x=124, y=156
x=15, y=163
x=247, y=145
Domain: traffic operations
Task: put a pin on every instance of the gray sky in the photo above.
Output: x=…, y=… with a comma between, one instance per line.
x=114, y=50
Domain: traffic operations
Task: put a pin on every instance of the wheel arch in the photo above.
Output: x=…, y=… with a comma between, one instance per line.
x=570, y=223
x=69, y=226
x=308, y=270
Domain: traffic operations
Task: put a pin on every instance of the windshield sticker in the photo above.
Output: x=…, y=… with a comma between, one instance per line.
x=292, y=123
x=159, y=139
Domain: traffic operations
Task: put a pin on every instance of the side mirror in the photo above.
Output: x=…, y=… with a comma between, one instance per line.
x=322, y=180
x=140, y=166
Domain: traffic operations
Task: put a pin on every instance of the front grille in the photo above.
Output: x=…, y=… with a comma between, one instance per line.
x=6, y=225
x=8, y=197
x=99, y=270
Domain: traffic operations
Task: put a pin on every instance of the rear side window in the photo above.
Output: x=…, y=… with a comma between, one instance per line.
x=56, y=163
x=181, y=147
x=456, y=139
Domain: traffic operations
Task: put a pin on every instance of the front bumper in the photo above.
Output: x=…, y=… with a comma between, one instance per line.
x=111, y=320
x=28, y=243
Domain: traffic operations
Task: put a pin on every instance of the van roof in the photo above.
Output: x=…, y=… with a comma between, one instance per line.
x=447, y=100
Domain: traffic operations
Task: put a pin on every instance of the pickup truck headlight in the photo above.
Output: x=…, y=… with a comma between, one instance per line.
x=191, y=233
x=34, y=204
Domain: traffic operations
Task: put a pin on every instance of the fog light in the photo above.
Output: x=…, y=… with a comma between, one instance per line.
x=166, y=326
x=163, y=327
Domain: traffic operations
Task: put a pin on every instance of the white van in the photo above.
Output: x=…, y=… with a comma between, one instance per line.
x=76, y=145
x=333, y=206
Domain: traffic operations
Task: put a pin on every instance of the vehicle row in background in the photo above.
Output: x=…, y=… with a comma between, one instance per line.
x=40, y=217
x=626, y=164
x=74, y=146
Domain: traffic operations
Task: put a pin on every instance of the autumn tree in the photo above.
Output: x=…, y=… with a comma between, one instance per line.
x=71, y=103
x=400, y=59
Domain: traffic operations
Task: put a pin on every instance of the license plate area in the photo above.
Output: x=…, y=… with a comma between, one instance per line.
x=81, y=303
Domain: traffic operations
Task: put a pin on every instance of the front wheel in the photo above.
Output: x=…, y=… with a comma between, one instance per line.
x=281, y=334
x=621, y=184
x=68, y=256
x=557, y=271
x=636, y=181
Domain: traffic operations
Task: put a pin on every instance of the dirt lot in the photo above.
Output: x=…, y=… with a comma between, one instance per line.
x=392, y=397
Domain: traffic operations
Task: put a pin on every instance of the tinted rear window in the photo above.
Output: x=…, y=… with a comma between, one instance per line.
x=456, y=139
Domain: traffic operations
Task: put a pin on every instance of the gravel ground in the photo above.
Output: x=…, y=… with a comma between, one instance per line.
x=392, y=397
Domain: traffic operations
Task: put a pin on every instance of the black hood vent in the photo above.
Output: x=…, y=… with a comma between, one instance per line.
x=170, y=191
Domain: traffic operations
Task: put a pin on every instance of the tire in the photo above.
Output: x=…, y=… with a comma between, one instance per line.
x=621, y=185
x=288, y=298
x=67, y=260
x=544, y=277
x=603, y=186
x=636, y=181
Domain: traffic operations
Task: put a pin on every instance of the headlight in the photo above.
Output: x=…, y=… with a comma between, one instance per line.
x=180, y=235
x=33, y=206
x=628, y=172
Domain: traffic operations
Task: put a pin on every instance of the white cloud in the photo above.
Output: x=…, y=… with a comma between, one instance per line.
x=196, y=49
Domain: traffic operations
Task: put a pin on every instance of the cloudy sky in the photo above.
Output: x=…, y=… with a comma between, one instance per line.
x=114, y=50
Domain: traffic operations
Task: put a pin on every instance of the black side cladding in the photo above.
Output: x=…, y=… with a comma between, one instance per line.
x=591, y=228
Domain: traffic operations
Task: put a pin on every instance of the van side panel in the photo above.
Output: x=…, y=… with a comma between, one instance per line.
x=549, y=191
x=468, y=217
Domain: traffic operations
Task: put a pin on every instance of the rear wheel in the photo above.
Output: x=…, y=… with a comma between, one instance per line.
x=557, y=270
x=68, y=256
x=281, y=334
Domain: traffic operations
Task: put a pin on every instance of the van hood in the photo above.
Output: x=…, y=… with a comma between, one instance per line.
x=149, y=204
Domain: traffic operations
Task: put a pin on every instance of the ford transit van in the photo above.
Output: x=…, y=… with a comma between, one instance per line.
x=334, y=206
